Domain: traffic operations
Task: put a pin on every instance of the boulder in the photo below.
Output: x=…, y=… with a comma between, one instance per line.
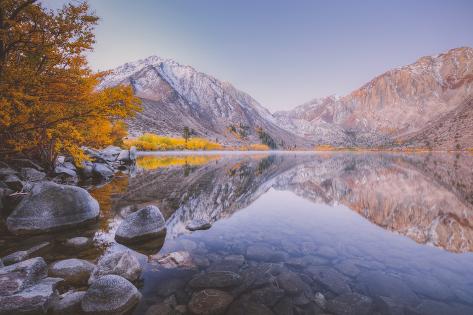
x=74, y=271
x=209, y=301
x=110, y=153
x=110, y=294
x=123, y=264
x=23, y=254
x=51, y=206
x=198, y=224
x=79, y=242
x=13, y=182
x=31, y=175
x=180, y=259
x=87, y=169
x=68, y=303
x=102, y=170
x=64, y=170
x=16, y=277
x=141, y=225
x=34, y=299
x=124, y=156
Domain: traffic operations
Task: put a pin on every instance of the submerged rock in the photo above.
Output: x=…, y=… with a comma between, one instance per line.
x=79, y=242
x=261, y=252
x=23, y=254
x=110, y=294
x=123, y=264
x=198, y=224
x=209, y=301
x=146, y=223
x=215, y=279
x=34, y=299
x=351, y=303
x=181, y=259
x=73, y=271
x=51, y=206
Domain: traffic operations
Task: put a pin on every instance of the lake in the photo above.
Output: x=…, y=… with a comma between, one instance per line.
x=294, y=233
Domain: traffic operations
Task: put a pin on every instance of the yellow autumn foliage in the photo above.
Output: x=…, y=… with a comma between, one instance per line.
x=49, y=100
x=254, y=147
x=152, y=142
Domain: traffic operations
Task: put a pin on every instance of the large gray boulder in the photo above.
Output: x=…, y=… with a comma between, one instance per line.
x=74, y=271
x=16, y=277
x=51, y=206
x=110, y=294
x=146, y=223
x=35, y=299
x=123, y=264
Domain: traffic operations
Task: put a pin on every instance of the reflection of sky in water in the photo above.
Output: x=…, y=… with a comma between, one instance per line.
x=320, y=208
x=390, y=227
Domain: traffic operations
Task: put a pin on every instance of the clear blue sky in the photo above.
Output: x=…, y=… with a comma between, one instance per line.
x=283, y=53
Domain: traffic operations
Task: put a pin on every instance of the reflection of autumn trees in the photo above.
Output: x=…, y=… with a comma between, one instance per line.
x=105, y=195
x=154, y=162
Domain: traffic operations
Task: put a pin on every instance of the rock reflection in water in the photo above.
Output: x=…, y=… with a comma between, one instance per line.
x=290, y=235
x=300, y=233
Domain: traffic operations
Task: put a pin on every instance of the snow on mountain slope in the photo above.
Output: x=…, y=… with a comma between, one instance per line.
x=396, y=103
x=177, y=96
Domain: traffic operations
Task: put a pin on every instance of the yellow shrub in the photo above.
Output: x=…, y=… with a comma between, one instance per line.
x=254, y=147
x=152, y=142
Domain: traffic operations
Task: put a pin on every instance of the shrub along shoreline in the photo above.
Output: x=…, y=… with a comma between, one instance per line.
x=153, y=142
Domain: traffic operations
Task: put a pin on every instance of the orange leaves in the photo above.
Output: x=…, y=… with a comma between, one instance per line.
x=48, y=95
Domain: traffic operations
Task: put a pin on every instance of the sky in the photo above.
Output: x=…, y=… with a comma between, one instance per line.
x=283, y=53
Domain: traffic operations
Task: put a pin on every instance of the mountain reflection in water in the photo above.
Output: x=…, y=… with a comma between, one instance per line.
x=427, y=197
x=305, y=233
x=373, y=233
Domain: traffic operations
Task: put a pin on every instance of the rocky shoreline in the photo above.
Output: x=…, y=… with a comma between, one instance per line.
x=34, y=202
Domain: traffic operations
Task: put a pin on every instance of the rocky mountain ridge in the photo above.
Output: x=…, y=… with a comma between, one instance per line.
x=404, y=107
x=177, y=96
x=392, y=106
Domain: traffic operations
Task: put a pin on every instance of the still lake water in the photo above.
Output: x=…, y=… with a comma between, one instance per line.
x=332, y=233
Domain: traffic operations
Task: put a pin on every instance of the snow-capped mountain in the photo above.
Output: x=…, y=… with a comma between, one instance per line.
x=390, y=107
x=177, y=96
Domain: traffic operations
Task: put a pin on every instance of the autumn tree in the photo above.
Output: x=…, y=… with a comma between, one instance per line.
x=50, y=100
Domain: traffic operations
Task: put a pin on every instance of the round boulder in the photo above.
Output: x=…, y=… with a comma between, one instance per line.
x=110, y=294
x=122, y=263
x=73, y=271
x=141, y=225
x=51, y=206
